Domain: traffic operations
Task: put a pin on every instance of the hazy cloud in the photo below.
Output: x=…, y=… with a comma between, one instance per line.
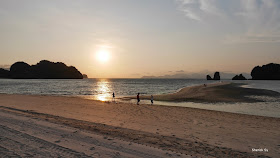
x=259, y=20
x=199, y=75
x=7, y=67
x=180, y=71
x=199, y=10
x=135, y=74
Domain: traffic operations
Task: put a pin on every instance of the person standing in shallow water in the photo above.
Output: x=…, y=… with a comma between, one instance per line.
x=113, y=96
x=138, y=99
x=152, y=99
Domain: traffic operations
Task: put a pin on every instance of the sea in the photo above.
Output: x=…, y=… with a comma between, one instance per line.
x=102, y=89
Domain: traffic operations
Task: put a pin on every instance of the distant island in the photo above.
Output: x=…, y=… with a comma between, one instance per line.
x=216, y=76
x=43, y=70
x=266, y=72
x=239, y=77
x=269, y=71
x=194, y=75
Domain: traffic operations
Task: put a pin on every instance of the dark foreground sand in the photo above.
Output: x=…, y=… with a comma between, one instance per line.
x=24, y=135
x=47, y=126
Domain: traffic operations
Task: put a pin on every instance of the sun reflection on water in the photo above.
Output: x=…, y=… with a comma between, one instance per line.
x=104, y=91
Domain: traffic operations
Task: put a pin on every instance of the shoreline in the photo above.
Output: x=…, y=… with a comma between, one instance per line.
x=131, y=104
x=175, y=105
x=218, y=92
x=226, y=92
x=164, y=127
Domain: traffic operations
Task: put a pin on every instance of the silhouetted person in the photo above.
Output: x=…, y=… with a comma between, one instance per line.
x=114, y=96
x=138, y=99
x=152, y=99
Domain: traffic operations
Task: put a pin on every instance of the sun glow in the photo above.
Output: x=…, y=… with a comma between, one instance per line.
x=103, y=55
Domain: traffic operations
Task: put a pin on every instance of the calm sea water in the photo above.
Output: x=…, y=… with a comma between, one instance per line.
x=102, y=89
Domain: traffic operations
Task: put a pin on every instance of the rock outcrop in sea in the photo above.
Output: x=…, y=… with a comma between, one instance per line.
x=266, y=72
x=4, y=73
x=216, y=76
x=42, y=70
x=208, y=77
x=239, y=77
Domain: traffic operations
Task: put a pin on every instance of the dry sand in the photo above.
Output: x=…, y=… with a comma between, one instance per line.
x=215, y=92
x=22, y=136
x=190, y=131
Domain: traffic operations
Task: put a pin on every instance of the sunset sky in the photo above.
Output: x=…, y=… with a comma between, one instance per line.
x=134, y=38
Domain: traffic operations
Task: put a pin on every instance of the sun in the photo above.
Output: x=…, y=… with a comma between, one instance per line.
x=103, y=55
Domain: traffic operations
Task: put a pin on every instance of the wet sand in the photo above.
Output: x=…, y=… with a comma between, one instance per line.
x=216, y=92
x=186, y=131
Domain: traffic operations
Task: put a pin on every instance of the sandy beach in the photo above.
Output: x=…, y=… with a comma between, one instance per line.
x=25, y=136
x=161, y=130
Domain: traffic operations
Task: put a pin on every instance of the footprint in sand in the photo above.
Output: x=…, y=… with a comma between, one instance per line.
x=63, y=135
x=58, y=141
x=168, y=154
x=96, y=154
x=117, y=154
x=92, y=148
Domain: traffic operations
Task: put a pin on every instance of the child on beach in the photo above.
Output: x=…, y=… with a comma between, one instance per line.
x=113, y=96
x=138, y=99
x=152, y=99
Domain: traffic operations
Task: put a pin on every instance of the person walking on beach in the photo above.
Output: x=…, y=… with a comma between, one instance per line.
x=152, y=99
x=138, y=99
x=113, y=96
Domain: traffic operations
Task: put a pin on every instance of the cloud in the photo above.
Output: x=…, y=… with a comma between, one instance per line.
x=252, y=38
x=256, y=20
x=135, y=74
x=198, y=75
x=7, y=67
x=180, y=71
x=199, y=10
